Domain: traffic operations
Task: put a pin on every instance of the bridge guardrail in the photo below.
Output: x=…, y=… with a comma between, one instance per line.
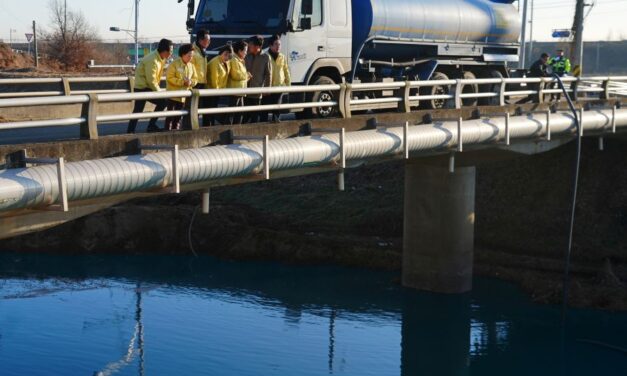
x=404, y=96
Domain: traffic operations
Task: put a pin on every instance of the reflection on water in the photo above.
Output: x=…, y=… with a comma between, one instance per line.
x=175, y=315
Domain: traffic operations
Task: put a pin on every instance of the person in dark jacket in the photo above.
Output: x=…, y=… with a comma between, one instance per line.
x=537, y=69
x=259, y=66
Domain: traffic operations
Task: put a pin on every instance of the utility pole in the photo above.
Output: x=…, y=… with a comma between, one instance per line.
x=577, y=46
x=136, y=32
x=531, y=57
x=523, y=38
x=35, y=44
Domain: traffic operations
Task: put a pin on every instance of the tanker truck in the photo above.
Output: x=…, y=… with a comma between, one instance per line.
x=335, y=41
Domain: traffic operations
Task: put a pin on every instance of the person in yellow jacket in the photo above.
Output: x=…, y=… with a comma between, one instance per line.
x=280, y=74
x=148, y=75
x=238, y=76
x=203, y=40
x=218, y=77
x=181, y=75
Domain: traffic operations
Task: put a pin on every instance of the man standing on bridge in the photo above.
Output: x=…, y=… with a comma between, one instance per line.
x=260, y=67
x=200, y=64
x=538, y=69
x=561, y=66
x=148, y=79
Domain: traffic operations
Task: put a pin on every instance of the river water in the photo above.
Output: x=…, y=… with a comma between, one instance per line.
x=118, y=315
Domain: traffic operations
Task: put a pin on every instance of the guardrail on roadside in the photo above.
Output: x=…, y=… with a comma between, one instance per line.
x=405, y=96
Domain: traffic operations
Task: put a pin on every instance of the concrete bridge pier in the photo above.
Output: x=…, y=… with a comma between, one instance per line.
x=438, y=233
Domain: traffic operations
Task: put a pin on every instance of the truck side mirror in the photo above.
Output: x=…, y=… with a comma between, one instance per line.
x=306, y=7
x=305, y=23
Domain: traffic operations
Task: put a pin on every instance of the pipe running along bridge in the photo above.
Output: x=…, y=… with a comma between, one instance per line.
x=46, y=184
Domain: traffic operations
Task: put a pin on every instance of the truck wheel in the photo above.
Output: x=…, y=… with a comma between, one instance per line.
x=323, y=96
x=493, y=88
x=469, y=89
x=433, y=104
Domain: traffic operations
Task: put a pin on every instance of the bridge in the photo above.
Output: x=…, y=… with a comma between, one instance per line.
x=43, y=184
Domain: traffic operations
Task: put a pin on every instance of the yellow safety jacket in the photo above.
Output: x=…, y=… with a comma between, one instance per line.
x=200, y=64
x=280, y=71
x=177, y=72
x=149, y=71
x=238, y=76
x=218, y=73
x=560, y=65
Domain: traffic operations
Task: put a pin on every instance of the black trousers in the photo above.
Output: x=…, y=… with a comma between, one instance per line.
x=206, y=102
x=273, y=99
x=531, y=97
x=237, y=117
x=255, y=116
x=160, y=105
x=173, y=123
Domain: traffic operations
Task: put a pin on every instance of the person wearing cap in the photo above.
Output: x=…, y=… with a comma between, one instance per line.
x=561, y=66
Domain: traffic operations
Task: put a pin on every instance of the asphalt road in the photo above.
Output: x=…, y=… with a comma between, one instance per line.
x=63, y=133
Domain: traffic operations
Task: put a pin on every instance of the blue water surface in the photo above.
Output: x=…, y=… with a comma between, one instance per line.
x=157, y=315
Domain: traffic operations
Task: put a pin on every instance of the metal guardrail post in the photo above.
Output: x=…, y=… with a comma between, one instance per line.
x=89, y=129
x=460, y=138
x=344, y=102
x=265, y=150
x=406, y=140
x=131, y=84
x=458, y=92
x=540, y=95
x=62, y=182
x=502, y=92
x=575, y=88
x=176, y=180
x=605, y=94
x=403, y=93
x=65, y=82
x=191, y=105
x=342, y=152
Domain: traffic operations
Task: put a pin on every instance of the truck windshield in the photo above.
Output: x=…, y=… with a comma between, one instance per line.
x=244, y=15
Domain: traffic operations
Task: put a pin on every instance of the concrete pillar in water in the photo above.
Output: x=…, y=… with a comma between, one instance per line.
x=438, y=234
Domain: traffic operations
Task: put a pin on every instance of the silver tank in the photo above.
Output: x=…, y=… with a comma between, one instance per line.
x=456, y=21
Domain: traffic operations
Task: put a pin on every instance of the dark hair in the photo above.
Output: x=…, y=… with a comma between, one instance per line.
x=185, y=49
x=201, y=34
x=239, y=46
x=164, y=45
x=226, y=48
x=544, y=55
x=257, y=40
x=273, y=39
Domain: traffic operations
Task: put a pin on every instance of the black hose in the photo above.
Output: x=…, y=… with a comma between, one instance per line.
x=578, y=126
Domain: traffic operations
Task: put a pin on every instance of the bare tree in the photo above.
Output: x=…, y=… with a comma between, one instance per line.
x=71, y=38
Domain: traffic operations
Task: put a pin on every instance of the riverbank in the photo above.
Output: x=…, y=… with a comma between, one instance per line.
x=521, y=229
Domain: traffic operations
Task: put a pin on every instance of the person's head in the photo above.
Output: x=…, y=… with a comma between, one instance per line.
x=560, y=52
x=225, y=52
x=165, y=48
x=544, y=57
x=186, y=52
x=203, y=39
x=240, y=48
x=255, y=44
x=275, y=44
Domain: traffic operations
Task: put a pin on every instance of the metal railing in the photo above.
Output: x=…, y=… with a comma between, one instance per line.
x=402, y=96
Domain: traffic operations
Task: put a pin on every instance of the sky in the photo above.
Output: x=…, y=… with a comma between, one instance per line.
x=166, y=18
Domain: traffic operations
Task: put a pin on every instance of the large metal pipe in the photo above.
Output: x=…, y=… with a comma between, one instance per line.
x=38, y=186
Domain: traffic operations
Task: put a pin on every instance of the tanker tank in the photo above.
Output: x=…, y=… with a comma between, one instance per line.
x=474, y=22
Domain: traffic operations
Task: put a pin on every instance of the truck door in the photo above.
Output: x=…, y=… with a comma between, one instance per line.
x=309, y=41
